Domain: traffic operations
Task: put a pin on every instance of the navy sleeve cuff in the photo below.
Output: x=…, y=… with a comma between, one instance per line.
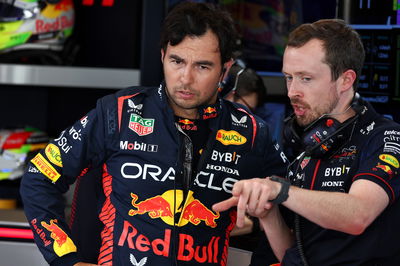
x=69, y=259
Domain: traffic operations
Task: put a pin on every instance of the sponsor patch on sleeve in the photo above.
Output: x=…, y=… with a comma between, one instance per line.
x=387, y=158
x=62, y=243
x=53, y=154
x=45, y=167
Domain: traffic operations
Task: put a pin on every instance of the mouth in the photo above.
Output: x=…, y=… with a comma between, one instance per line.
x=185, y=94
x=298, y=110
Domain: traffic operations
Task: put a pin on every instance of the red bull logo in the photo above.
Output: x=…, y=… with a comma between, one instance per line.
x=195, y=212
x=187, y=249
x=56, y=232
x=54, y=10
x=62, y=243
x=186, y=122
x=156, y=207
x=210, y=110
x=39, y=231
x=162, y=207
x=64, y=5
x=385, y=168
x=346, y=154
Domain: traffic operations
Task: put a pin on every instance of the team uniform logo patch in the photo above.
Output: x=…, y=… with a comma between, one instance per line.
x=387, y=158
x=53, y=154
x=230, y=137
x=142, y=126
x=45, y=167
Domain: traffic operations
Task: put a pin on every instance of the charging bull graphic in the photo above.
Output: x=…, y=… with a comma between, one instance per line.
x=156, y=207
x=62, y=243
x=162, y=206
x=195, y=212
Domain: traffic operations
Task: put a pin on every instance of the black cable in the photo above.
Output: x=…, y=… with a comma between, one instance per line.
x=297, y=182
x=299, y=243
x=174, y=228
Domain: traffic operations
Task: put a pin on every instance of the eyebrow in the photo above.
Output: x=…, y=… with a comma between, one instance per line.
x=297, y=73
x=201, y=62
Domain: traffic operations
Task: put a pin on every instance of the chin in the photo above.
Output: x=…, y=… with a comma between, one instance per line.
x=304, y=121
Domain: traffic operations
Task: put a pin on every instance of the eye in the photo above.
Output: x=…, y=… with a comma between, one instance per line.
x=288, y=78
x=204, y=67
x=176, y=61
x=306, y=79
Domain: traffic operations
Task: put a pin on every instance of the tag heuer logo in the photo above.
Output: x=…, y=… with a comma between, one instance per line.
x=142, y=126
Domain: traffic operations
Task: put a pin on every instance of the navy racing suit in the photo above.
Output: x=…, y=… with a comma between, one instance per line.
x=149, y=214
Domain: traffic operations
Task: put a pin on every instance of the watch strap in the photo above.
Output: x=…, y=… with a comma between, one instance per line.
x=284, y=192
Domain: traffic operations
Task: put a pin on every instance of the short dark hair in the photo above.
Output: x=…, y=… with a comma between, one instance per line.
x=194, y=19
x=248, y=82
x=343, y=46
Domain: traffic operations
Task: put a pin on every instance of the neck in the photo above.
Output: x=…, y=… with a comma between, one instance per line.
x=191, y=113
x=343, y=110
x=188, y=115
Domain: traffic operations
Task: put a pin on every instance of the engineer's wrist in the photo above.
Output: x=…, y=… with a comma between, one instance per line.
x=283, y=193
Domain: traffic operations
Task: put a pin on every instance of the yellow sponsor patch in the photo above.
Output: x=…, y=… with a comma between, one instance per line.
x=53, y=154
x=387, y=158
x=230, y=137
x=385, y=168
x=45, y=167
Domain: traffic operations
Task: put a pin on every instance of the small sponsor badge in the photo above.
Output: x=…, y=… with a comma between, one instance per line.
x=142, y=126
x=230, y=137
x=45, y=167
x=53, y=154
x=387, y=158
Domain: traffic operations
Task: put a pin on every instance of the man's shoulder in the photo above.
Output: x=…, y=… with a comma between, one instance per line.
x=378, y=125
x=127, y=93
x=244, y=120
x=237, y=109
x=135, y=90
x=379, y=131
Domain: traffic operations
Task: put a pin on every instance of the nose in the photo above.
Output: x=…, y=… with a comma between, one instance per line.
x=187, y=75
x=293, y=89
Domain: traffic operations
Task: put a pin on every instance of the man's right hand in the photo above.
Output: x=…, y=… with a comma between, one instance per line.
x=251, y=196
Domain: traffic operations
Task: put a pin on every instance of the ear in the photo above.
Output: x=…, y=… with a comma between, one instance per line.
x=347, y=79
x=229, y=64
x=162, y=55
x=226, y=67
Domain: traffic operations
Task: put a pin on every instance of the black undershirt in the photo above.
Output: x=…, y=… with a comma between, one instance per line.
x=198, y=131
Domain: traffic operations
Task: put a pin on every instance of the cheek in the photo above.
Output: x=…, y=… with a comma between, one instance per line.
x=170, y=75
x=207, y=83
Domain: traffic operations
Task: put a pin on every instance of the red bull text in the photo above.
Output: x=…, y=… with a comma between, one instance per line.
x=187, y=250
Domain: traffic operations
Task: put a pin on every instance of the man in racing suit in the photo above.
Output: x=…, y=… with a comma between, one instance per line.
x=167, y=154
x=344, y=186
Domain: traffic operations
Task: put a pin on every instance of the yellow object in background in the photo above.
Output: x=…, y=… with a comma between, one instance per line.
x=8, y=204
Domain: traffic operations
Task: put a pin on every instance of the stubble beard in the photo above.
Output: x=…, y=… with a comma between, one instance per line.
x=187, y=105
x=320, y=110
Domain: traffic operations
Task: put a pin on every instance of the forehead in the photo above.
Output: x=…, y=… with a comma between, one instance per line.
x=307, y=58
x=204, y=47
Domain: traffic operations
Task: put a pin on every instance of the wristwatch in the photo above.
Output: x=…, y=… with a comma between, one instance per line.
x=284, y=192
